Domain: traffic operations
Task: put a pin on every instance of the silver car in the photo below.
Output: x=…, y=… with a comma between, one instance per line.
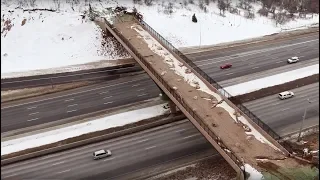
x=101, y=154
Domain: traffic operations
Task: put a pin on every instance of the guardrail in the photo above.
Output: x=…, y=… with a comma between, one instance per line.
x=204, y=126
x=158, y=121
x=215, y=84
x=59, y=78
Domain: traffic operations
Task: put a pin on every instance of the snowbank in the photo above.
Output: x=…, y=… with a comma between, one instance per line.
x=62, y=38
x=269, y=81
x=254, y=174
x=48, y=137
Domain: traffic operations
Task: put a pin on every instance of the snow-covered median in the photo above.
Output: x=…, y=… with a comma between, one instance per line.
x=277, y=79
x=107, y=122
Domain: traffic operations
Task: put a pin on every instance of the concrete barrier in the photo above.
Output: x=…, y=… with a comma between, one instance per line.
x=158, y=122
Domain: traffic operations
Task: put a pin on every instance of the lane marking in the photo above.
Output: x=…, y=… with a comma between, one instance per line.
x=71, y=111
x=143, y=140
x=104, y=92
x=276, y=103
x=229, y=74
x=108, y=159
x=140, y=89
x=75, y=93
x=150, y=147
x=285, y=109
x=108, y=102
x=135, y=85
x=72, y=105
x=180, y=130
x=32, y=119
x=33, y=113
x=61, y=162
x=32, y=107
x=142, y=95
x=10, y=175
x=64, y=171
x=107, y=97
x=278, y=62
x=190, y=136
x=255, y=67
x=67, y=100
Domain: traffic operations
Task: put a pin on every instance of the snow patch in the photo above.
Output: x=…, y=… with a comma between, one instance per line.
x=254, y=174
x=254, y=85
x=107, y=122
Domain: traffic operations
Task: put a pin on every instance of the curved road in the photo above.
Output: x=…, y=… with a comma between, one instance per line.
x=154, y=146
x=35, y=111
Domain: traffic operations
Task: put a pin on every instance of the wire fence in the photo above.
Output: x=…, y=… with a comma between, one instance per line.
x=180, y=99
x=215, y=84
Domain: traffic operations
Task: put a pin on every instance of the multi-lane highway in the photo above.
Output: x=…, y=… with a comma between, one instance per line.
x=155, y=146
x=284, y=115
x=126, y=90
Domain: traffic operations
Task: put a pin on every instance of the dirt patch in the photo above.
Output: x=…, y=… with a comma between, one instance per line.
x=212, y=168
x=6, y=26
x=311, y=143
x=12, y=95
x=23, y=22
x=275, y=89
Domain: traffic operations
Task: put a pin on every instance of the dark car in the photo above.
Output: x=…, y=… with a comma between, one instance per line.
x=225, y=66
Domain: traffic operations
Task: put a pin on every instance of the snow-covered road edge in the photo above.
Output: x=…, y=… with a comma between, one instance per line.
x=277, y=79
x=107, y=122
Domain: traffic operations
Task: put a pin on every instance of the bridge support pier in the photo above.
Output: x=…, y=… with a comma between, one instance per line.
x=172, y=105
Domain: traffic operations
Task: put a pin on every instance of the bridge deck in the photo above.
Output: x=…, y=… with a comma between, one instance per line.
x=220, y=118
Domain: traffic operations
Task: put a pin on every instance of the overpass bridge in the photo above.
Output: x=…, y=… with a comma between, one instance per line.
x=239, y=136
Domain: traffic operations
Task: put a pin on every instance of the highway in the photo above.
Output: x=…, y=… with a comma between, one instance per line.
x=54, y=107
x=155, y=146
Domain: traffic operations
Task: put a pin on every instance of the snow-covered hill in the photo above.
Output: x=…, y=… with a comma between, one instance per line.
x=32, y=40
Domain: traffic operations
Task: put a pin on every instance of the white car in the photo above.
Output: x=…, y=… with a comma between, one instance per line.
x=293, y=59
x=286, y=95
x=101, y=154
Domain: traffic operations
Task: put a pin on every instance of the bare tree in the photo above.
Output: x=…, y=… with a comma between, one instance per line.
x=263, y=11
x=148, y=2
x=191, y=1
x=57, y=4
x=32, y=3
x=222, y=6
x=207, y=2
x=168, y=8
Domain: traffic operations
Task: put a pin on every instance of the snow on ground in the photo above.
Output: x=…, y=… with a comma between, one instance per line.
x=56, y=39
x=254, y=85
x=194, y=81
x=107, y=122
x=254, y=174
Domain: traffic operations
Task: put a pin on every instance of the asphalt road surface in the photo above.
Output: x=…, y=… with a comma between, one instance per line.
x=281, y=113
x=50, y=108
x=153, y=146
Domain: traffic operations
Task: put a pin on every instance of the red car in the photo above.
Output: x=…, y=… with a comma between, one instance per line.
x=225, y=66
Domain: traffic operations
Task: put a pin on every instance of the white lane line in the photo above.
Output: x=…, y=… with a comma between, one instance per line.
x=190, y=136
x=32, y=119
x=304, y=95
x=32, y=107
x=9, y=175
x=135, y=85
x=68, y=100
x=108, y=102
x=255, y=67
x=75, y=93
x=72, y=105
x=71, y=111
x=108, y=159
x=104, y=92
x=143, y=140
x=276, y=103
x=285, y=109
x=229, y=74
x=61, y=162
x=142, y=95
x=140, y=89
x=64, y=171
x=180, y=130
x=33, y=113
x=278, y=62
x=107, y=97
x=150, y=147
